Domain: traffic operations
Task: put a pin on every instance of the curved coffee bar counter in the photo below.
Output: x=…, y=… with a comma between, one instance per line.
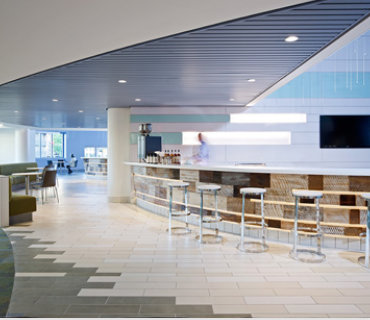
x=343, y=211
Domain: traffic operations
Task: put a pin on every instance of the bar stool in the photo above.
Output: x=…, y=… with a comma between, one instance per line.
x=364, y=260
x=185, y=213
x=313, y=255
x=215, y=218
x=253, y=246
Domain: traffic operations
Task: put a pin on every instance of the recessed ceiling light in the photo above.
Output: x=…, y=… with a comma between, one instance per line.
x=291, y=38
x=122, y=81
x=231, y=99
x=16, y=111
x=55, y=100
x=252, y=80
x=1, y=125
x=80, y=111
x=137, y=99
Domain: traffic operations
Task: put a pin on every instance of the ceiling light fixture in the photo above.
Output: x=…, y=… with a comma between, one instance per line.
x=122, y=81
x=252, y=80
x=80, y=111
x=138, y=99
x=1, y=125
x=231, y=99
x=16, y=111
x=291, y=38
x=55, y=100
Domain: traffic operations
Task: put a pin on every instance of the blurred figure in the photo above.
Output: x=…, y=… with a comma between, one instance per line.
x=72, y=163
x=203, y=153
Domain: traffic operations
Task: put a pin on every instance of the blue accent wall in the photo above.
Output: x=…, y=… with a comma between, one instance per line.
x=77, y=141
x=329, y=85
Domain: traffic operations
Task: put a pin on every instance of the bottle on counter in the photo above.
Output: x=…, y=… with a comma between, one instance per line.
x=178, y=157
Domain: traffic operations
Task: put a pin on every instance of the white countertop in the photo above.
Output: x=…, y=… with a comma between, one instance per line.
x=262, y=169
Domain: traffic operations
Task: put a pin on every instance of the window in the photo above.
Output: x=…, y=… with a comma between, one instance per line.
x=50, y=144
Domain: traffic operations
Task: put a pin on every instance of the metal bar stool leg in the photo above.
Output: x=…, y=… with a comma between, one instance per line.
x=263, y=230
x=181, y=213
x=365, y=260
x=216, y=213
x=201, y=218
x=307, y=255
x=170, y=211
x=252, y=246
x=318, y=226
x=209, y=219
x=295, y=239
x=186, y=195
x=242, y=226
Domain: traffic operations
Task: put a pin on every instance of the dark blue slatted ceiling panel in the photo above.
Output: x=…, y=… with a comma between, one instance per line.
x=202, y=67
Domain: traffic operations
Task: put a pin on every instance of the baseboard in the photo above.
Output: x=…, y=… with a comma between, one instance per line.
x=20, y=218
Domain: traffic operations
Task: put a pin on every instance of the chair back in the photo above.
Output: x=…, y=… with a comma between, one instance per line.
x=49, y=178
x=74, y=163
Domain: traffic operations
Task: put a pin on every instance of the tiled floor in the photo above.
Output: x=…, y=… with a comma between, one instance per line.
x=87, y=257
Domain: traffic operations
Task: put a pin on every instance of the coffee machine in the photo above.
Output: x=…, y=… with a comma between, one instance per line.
x=145, y=143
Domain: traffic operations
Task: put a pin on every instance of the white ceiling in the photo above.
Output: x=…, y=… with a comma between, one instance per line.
x=36, y=35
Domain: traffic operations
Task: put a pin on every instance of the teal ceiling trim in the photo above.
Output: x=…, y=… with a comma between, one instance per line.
x=167, y=137
x=179, y=118
x=329, y=85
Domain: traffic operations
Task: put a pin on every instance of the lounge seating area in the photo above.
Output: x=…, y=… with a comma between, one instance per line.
x=10, y=168
x=20, y=207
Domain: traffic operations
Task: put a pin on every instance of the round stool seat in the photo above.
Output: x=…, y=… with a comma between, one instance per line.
x=256, y=191
x=307, y=194
x=366, y=196
x=209, y=187
x=178, y=184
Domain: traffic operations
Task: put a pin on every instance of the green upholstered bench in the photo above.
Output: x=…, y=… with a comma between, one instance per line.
x=20, y=207
x=10, y=168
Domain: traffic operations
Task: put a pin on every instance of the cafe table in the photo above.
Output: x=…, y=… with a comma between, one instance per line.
x=27, y=176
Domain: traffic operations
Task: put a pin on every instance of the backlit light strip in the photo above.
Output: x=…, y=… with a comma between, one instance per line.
x=268, y=118
x=239, y=138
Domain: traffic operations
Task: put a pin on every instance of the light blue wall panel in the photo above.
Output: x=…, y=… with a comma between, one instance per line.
x=145, y=118
x=329, y=85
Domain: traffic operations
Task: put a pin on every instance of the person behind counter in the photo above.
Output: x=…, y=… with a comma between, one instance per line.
x=203, y=153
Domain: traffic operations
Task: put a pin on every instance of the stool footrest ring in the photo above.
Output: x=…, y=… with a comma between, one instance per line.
x=180, y=214
x=312, y=256
x=253, y=247
x=210, y=238
x=178, y=231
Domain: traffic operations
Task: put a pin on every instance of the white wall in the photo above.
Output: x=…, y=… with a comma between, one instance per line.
x=17, y=145
x=7, y=138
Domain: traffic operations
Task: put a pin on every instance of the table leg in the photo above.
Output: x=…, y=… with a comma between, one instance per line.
x=27, y=181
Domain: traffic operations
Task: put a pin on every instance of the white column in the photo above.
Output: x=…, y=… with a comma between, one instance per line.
x=4, y=201
x=119, y=186
x=24, y=142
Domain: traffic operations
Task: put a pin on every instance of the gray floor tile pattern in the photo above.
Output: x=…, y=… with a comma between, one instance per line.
x=58, y=296
x=6, y=272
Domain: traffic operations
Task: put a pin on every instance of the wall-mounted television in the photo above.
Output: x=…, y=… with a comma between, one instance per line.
x=345, y=131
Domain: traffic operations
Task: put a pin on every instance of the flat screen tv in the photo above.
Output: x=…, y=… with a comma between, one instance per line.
x=345, y=131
